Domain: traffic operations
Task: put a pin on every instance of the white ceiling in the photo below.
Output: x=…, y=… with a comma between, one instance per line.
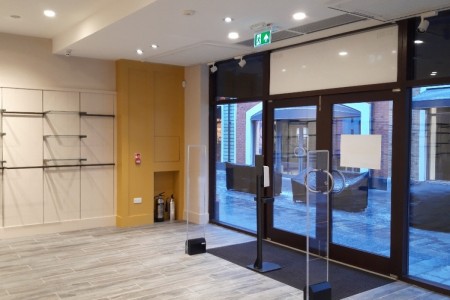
x=114, y=29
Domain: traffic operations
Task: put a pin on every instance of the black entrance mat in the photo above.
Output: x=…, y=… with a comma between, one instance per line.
x=344, y=281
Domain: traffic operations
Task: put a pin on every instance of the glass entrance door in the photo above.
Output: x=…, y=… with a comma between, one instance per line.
x=358, y=135
x=294, y=131
x=362, y=155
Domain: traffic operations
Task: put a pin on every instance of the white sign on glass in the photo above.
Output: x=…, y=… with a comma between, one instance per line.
x=361, y=151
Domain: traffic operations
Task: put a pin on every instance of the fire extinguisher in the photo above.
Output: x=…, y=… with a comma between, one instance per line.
x=159, y=207
x=171, y=209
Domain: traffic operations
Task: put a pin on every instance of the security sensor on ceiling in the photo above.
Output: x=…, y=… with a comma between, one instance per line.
x=212, y=67
x=241, y=62
x=424, y=23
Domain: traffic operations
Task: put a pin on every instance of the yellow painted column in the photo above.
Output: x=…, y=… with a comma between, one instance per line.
x=150, y=121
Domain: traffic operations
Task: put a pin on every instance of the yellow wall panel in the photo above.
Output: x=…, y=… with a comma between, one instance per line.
x=167, y=149
x=168, y=95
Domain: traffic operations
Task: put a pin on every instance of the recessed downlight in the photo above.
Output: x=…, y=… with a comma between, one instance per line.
x=343, y=53
x=49, y=13
x=228, y=19
x=233, y=35
x=299, y=16
x=154, y=46
x=139, y=51
x=188, y=12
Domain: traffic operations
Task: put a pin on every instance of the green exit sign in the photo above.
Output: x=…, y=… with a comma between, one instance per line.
x=262, y=38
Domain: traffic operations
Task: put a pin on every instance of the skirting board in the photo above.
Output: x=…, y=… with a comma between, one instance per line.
x=197, y=218
x=28, y=230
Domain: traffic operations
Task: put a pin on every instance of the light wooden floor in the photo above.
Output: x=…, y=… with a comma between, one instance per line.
x=143, y=263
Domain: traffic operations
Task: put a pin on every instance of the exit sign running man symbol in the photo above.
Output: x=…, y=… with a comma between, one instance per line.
x=262, y=38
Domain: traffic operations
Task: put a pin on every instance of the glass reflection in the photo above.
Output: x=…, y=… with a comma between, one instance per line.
x=429, y=231
x=239, y=139
x=361, y=199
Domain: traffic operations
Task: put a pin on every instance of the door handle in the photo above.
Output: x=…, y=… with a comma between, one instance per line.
x=326, y=183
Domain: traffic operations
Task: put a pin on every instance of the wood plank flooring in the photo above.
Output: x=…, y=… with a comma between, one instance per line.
x=145, y=262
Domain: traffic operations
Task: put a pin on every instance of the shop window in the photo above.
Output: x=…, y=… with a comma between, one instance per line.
x=431, y=48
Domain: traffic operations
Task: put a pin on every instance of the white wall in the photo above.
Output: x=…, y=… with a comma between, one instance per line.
x=27, y=62
x=197, y=104
x=196, y=132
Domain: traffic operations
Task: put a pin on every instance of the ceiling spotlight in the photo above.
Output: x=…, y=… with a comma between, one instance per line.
x=212, y=67
x=49, y=13
x=228, y=19
x=299, y=16
x=241, y=62
x=139, y=52
x=233, y=35
x=154, y=46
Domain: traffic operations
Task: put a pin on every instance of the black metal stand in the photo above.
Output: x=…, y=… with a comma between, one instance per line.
x=260, y=265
